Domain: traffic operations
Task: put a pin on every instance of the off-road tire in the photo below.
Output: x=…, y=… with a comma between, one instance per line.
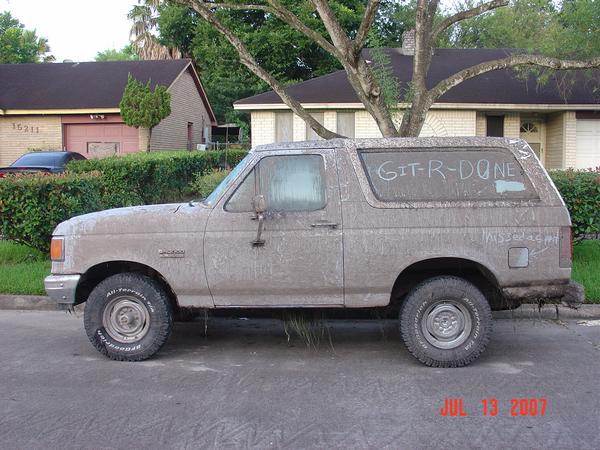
x=436, y=291
x=148, y=293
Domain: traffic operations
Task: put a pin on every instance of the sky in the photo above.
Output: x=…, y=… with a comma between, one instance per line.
x=75, y=29
x=78, y=29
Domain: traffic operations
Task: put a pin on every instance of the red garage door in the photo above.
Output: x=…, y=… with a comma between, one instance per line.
x=99, y=140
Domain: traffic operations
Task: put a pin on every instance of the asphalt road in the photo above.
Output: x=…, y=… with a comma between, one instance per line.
x=245, y=386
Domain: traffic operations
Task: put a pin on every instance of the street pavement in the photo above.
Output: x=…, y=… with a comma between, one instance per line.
x=244, y=385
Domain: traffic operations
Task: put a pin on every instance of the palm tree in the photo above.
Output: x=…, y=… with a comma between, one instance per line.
x=146, y=44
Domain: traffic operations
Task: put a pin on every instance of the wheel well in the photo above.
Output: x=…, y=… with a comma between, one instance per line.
x=470, y=270
x=102, y=271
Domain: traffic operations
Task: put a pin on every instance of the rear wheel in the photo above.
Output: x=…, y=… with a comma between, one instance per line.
x=446, y=322
x=128, y=317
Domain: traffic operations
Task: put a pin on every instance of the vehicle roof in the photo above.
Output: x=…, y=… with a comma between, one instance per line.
x=395, y=143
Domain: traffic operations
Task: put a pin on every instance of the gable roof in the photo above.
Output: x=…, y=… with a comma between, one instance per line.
x=497, y=87
x=86, y=85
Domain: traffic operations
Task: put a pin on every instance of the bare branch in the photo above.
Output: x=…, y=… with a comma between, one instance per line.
x=292, y=20
x=239, y=6
x=365, y=25
x=248, y=60
x=467, y=14
x=336, y=32
x=505, y=63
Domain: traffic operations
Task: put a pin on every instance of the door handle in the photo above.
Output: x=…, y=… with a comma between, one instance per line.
x=331, y=225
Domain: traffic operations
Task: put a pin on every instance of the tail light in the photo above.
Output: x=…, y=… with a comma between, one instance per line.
x=565, y=247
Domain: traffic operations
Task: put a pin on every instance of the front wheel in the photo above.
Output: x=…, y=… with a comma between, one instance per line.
x=446, y=322
x=128, y=317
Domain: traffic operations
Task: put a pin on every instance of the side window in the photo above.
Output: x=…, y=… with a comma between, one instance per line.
x=450, y=175
x=241, y=200
x=289, y=183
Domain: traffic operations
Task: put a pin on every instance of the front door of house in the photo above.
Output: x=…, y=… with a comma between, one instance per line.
x=300, y=261
x=531, y=131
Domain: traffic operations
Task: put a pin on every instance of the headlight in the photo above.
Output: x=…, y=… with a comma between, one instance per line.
x=57, y=248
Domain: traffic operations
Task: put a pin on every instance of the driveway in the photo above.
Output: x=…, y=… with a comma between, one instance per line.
x=245, y=386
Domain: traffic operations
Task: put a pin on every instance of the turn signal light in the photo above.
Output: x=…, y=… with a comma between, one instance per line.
x=57, y=249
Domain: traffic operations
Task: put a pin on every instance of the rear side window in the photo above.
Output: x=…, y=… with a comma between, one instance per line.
x=289, y=183
x=448, y=175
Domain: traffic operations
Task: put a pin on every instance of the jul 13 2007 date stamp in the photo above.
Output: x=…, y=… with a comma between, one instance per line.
x=491, y=407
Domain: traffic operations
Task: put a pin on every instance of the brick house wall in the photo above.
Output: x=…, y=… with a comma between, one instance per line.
x=438, y=123
x=186, y=106
x=561, y=140
x=21, y=134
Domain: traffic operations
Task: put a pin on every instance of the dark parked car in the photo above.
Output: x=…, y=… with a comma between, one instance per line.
x=50, y=162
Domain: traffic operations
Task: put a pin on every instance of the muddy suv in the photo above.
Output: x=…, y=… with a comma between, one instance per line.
x=447, y=229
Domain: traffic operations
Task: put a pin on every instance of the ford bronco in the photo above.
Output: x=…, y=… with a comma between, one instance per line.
x=447, y=229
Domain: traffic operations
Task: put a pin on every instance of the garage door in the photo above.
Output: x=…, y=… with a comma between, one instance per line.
x=588, y=144
x=99, y=140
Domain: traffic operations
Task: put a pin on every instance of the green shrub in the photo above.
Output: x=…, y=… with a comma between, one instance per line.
x=203, y=185
x=32, y=205
x=157, y=177
x=581, y=192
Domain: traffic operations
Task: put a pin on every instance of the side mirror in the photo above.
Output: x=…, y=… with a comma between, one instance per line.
x=259, y=204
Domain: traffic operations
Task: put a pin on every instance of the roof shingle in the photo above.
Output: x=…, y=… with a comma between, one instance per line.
x=78, y=85
x=501, y=86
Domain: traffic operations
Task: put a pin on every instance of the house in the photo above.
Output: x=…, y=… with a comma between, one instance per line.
x=75, y=106
x=560, y=119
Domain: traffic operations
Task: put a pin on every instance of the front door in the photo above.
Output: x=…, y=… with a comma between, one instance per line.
x=531, y=131
x=300, y=262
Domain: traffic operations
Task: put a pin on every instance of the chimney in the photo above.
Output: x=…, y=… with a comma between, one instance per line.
x=408, y=42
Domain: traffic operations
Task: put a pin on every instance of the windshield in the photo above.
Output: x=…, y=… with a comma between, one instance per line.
x=39, y=159
x=212, y=198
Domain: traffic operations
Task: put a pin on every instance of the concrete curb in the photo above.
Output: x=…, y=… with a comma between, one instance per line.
x=529, y=311
x=27, y=302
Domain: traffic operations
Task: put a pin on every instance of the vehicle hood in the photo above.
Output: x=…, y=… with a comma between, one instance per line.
x=170, y=218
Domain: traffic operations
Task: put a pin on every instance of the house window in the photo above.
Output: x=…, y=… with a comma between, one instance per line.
x=495, y=126
x=310, y=134
x=284, y=127
x=345, y=124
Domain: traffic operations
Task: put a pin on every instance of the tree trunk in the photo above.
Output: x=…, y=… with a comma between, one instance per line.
x=149, y=139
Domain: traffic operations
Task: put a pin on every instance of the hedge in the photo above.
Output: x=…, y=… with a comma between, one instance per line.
x=580, y=190
x=157, y=177
x=32, y=205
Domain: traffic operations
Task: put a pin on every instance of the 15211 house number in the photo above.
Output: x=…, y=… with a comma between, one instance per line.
x=25, y=128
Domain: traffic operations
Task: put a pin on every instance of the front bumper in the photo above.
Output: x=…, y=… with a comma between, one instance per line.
x=61, y=288
x=571, y=293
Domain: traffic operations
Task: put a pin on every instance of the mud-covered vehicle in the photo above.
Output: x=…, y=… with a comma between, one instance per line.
x=446, y=228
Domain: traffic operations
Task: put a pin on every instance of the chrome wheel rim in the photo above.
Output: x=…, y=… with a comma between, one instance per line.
x=126, y=319
x=446, y=324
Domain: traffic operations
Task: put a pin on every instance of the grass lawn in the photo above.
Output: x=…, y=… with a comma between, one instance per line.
x=586, y=268
x=22, y=269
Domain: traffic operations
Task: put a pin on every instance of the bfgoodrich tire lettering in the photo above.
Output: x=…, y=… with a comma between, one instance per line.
x=446, y=322
x=128, y=317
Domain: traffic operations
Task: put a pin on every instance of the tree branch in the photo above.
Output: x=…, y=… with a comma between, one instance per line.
x=505, y=63
x=336, y=32
x=467, y=14
x=248, y=60
x=365, y=25
x=292, y=20
x=239, y=6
